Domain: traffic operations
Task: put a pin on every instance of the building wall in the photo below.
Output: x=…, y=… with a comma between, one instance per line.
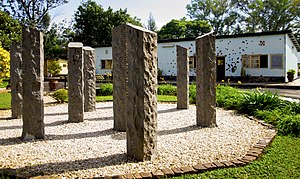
x=291, y=57
x=64, y=66
x=102, y=53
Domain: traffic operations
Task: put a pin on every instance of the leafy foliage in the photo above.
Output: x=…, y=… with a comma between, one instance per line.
x=61, y=95
x=219, y=13
x=4, y=64
x=32, y=12
x=106, y=89
x=53, y=67
x=151, y=23
x=10, y=30
x=93, y=25
x=228, y=97
x=167, y=89
x=183, y=29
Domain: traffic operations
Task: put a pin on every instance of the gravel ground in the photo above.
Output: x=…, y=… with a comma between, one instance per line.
x=92, y=148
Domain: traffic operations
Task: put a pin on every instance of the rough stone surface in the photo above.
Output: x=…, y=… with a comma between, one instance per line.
x=33, y=84
x=89, y=79
x=182, y=78
x=75, y=82
x=120, y=94
x=16, y=80
x=206, y=81
x=141, y=128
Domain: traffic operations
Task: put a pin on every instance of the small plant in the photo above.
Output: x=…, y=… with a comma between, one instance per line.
x=289, y=125
x=192, y=94
x=4, y=64
x=167, y=89
x=60, y=95
x=106, y=89
x=54, y=68
x=291, y=72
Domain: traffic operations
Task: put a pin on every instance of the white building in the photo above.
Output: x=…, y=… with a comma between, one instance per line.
x=265, y=55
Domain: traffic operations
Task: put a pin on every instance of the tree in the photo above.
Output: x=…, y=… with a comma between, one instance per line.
x=31, y=12
x=10, y=30
x=56, y=41
x=151, y=23
x=270, y=15
x=183, y=29
x=219, y=13
x=93, y=25
x=4, y=64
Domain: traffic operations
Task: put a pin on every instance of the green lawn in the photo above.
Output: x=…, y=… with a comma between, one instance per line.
x=281, y=160
x=5, y=99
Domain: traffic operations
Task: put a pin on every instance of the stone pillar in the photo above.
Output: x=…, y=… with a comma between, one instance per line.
x=206, y=80
x=120, y=93
x=75, y=82
x=33, y=84
x=89, y=79
x=141, y=103
x=182, y=78
x=16, y=80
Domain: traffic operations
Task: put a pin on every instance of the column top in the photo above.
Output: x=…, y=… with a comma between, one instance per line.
x=75, y=44
x=87, y=48
x=207, y=34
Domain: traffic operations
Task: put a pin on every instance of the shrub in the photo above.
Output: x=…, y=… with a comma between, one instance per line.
x=258, y=100
x=61, y=95
x=271, y=117
x=192, y=94
x=4, y=64
x=167, y=89
x=289, y=124
x=54, y=67
x=228, y=97
x=106, y=89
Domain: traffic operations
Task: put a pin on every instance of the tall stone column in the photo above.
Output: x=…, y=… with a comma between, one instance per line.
x=75, y=82
x=89, y=79
x=182, y=78
x=206, y=80
x=119, y=54
x=141, y=103
x=16, y=80
x=33, y=84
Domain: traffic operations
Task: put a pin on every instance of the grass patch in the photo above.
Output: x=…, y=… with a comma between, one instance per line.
x=282, y=160
x=5, y=99
x=166, y=98
x=104, y=98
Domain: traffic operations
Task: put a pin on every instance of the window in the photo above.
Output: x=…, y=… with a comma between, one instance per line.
x=192, y=62
x=277, y=61
x=255, y=61
x=64, y=65
x=106, y=51
x=106, y=64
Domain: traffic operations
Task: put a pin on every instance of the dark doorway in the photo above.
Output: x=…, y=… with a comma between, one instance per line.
x=220, y=68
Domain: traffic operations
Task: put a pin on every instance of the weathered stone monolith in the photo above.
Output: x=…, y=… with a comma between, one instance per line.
x=16, y=80
x=75, y=82
x=141, y=103
x=33, y=84
x=89, y=79
x=119, y=55
x=206, y=80
x=182, y=78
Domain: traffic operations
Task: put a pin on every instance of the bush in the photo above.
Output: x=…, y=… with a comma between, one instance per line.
x=167, y=89
x=106, y=89
x=258, y=100
x=289, y=124
x=228, y=97
x=4, y=64
x=192, y=94
x=60, y=95
x=53, y=67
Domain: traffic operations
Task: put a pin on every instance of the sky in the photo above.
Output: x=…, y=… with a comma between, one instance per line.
x=163, y=11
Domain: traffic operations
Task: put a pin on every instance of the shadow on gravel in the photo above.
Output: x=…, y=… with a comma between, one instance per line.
x=169, y=110
x=57, y=168
x=179, y=130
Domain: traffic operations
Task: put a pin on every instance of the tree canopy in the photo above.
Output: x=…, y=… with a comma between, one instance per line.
x=10, y=30
x=237, y=16
x=151, y=23
x=93, y=25
x=183, y=29
x=31, y=12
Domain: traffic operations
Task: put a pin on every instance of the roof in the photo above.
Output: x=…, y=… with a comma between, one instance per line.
x=288, y=32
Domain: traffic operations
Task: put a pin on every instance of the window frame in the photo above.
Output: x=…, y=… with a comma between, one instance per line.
x=105, y=67
x=271, y=61
x=252, y=61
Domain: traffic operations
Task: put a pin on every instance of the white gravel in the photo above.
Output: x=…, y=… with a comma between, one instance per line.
x=92, y=148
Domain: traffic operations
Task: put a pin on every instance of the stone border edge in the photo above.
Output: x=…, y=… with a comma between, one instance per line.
x=255, y=152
